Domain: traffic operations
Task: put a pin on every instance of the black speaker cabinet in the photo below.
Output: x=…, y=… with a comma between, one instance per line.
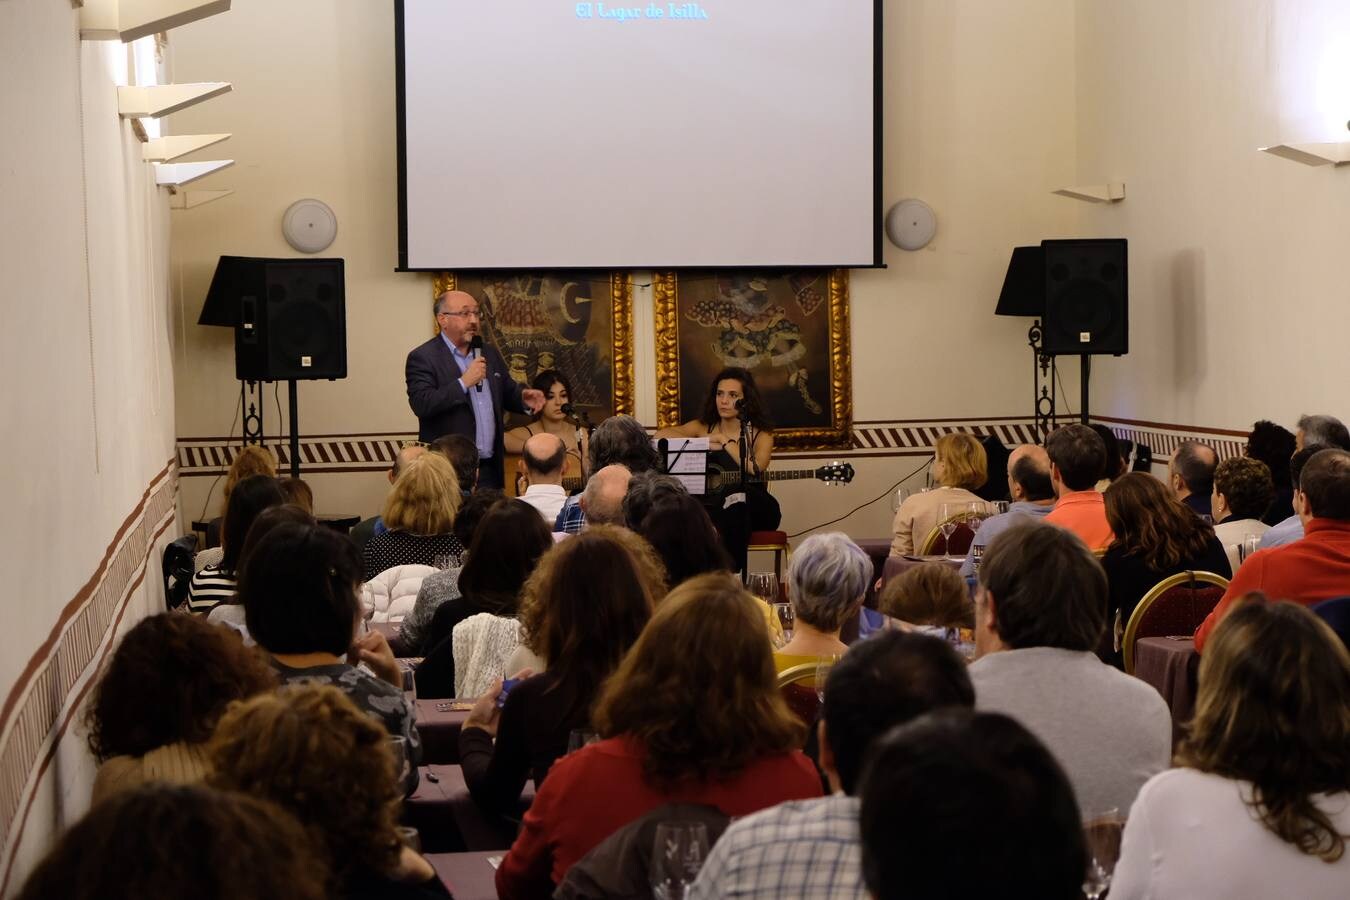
x=292, y=320
x=1086, y=297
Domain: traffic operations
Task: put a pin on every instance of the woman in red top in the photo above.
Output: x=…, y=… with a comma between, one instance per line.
x=692, y=715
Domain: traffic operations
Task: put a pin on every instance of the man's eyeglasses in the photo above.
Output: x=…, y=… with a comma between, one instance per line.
x=463, y=314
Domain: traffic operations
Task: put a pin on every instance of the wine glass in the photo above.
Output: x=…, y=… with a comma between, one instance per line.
x=947, y=526
x=978, y=512
x=764, y=585
x=823, y=666
x=677, y=856
x=1101, y=835
x=785, y=618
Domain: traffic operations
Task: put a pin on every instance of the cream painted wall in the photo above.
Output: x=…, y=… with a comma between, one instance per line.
x=1239, y=273
x=979, y=122
x=87, y=402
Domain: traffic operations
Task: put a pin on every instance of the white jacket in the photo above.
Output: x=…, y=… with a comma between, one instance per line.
x=390, y=595
x=481, y=645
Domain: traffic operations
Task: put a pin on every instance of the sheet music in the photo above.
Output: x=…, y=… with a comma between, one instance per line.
x=688, y=461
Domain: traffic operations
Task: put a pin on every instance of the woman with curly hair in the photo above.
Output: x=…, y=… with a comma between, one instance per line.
x=1156, y=536
x=181, y=842
x=1260, y=806
x=309, y=750
x=158, y=700
x=217, y=582
x=418, y=516
x=1243, y=491
x=251, y=460
x=691, y=715
x=581, y=610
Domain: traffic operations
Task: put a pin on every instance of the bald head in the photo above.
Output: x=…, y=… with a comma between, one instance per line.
x=544, y=456
x=602, y=501
x=401, y=460
x=1029, y=474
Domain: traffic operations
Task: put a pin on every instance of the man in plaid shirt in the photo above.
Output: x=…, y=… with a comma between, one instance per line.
x=618, y=441
x=811, y=848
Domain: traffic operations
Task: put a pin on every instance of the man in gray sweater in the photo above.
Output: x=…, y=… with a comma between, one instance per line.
x=1039, y=613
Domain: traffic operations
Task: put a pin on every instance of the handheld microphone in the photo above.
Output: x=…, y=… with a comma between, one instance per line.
x=568, y=410
x=476, y=352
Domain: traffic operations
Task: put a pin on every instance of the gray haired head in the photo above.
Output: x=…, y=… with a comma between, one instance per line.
x=827, y=578
x=1327, y=430
x=621, y=440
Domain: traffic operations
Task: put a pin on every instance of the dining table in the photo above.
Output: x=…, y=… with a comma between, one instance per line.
x=468, y=876
x=438, y=724
x=449, y=820
x=1171, y=665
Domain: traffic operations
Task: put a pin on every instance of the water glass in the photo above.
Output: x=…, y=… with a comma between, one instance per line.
x=398, y=746
x=999, y=507
x=677, y=855
x=764, y=585
x=899, y=498
x=1250, y=544
x=1102, y=836
x=410, y=837
x=445, y=560
x=785, y=619
x=580, y=737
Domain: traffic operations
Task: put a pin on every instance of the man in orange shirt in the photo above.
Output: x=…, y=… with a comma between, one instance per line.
x=1077, y=460
x=1317, y=567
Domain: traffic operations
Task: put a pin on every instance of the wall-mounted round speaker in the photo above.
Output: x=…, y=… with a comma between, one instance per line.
x=911, y=224
x=309, y=225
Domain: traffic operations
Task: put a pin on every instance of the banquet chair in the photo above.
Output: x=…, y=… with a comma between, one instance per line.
x=775, y=542
x=1175, y=605
x=958, y=544
x=797, y=684
x=176, y=569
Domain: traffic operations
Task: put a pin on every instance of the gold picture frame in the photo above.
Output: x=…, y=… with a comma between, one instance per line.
x=791, y=329
x=551, y=320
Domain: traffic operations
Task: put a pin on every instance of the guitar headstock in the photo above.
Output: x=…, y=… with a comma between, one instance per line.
x=835, y=473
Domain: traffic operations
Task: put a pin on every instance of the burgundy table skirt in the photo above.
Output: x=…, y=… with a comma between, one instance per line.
x=467, y=876
x=448, y=819
x=1170, y=665
x=439, y=730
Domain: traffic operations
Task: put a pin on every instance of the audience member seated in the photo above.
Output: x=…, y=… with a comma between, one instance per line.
x=602, y=500
x=181, y=842
x=692, y=715
x=810, y=848
x=1243, y=491
x=1314, y=568
x=1191, y=475
x=298, y=588
x=1273, y=445
x=959, y=466
x=298, y=493
x=1326, y=430
x=1077, y=459
x=617, y=441
x=659, y=509
x=1039, y=615
x=826, y=580
x=962, y=805
x=930, y=598
x=1032, y=495
x=506, y=547
x=1291, y=529
x=462, y=453
x=251, y=460
x=230, y=613
x=541, y=467
x=1260, y=806
x=419, y=514
x=1336, y=613
x=309, y=750
x=1115, y=462
x=366, y=529
x=552, y=420
x=158, y=700
x=1156, y=537
x=581, y=610
x=217, y=583
x=443, y=585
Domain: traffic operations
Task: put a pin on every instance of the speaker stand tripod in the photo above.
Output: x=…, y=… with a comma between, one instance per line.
x=1085, y=364
x=293, y=401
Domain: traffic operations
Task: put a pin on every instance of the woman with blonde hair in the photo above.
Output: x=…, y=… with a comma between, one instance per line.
x=418, y=515
x=309, y=750
x=581, y=610
x=691, y=715
x=959, y=467
x=1260, y=806
x=252, y=459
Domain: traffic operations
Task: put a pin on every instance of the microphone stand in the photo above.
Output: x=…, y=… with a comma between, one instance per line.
x=583, y=423
x=745, y=446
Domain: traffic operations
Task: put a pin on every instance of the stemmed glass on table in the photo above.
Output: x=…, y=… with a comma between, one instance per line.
x=678, y=854
x=1101, y=835
x=947, y=526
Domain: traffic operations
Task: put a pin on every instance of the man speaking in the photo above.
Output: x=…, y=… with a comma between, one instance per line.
x=456, y=385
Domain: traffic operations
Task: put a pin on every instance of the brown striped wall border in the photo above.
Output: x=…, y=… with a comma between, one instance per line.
x=375, y=451
x=49, y=691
